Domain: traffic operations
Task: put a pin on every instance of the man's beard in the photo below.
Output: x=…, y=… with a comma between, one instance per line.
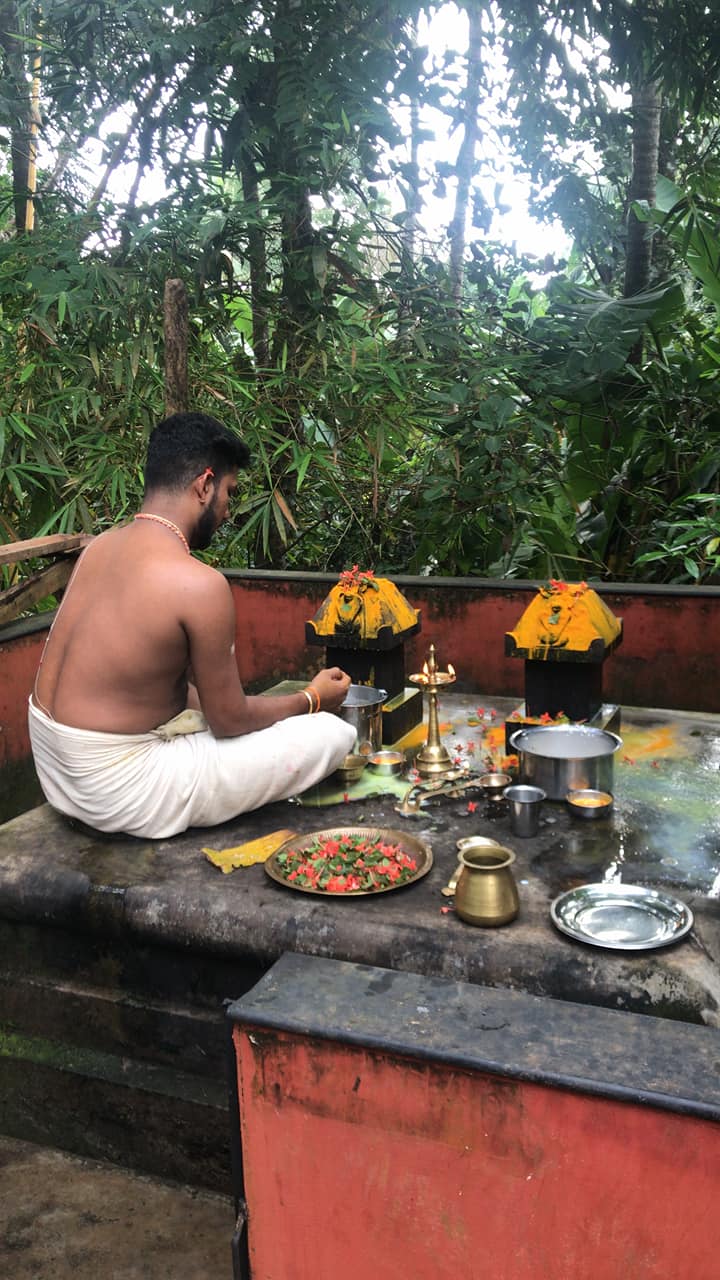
x=206, y=527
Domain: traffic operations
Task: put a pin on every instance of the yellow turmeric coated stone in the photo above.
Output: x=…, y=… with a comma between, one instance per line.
x=247, y=855
x=565, y=616
x=359, y=606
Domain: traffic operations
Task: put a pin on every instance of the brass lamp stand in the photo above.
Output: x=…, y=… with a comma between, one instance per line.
x=434, y=758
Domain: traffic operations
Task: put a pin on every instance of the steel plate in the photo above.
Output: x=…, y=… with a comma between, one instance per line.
x=623, y=917
x=409, y=844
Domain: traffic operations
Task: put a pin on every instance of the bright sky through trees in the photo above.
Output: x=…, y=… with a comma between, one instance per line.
x=444, y=32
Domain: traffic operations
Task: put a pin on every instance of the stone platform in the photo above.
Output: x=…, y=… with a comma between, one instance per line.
x=118, y=955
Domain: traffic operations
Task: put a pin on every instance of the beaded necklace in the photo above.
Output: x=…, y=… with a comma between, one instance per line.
x=146, y=515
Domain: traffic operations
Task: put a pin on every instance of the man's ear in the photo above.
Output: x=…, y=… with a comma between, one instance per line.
x=204, y=484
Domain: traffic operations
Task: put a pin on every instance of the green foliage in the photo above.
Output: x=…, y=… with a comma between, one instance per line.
x=686, y=541
x=514, y=434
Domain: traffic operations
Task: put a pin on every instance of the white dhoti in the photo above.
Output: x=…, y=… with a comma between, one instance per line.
x=179, y=775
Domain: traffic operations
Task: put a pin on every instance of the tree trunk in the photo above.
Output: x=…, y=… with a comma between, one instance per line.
x=465, y=165
x=176, y=347
x=413, y=204
x=14, y=72
x=257, y=256
x=647, y=105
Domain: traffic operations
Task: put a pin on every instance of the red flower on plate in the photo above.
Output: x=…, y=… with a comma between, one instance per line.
x=336, y=884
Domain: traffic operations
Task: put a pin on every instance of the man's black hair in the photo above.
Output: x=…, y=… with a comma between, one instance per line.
x=184, y=444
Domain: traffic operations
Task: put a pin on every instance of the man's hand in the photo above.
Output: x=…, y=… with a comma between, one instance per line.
x=332, y=685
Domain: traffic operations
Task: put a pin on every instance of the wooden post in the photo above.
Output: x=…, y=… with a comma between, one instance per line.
x=176, y=347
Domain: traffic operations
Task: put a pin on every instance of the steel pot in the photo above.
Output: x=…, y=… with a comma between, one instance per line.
x=362, y=708
x=566, y=757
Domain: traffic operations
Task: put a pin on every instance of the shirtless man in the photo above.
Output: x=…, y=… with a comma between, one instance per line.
x=122, y=736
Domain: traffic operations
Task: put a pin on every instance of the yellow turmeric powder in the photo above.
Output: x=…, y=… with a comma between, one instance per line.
x=359, y=606
x=565, y=616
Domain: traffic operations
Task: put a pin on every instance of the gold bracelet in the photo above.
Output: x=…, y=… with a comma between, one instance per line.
x=313, y=694
x=309, y=700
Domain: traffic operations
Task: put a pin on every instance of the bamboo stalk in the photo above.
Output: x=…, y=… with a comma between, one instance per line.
x=32, y=142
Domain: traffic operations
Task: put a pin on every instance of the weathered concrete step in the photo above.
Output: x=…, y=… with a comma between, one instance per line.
x=113, y=1022
x=143, y=1116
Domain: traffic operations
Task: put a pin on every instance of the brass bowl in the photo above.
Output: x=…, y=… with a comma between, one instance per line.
x=476, y=842
x=386, y=762
x=586, y=802
x=493, y=785
x=352, y=767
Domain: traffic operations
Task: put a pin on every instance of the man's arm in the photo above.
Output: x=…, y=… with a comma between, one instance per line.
x=209, y=620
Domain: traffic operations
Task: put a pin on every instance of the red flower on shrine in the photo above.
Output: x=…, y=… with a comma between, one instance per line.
x=356, y=577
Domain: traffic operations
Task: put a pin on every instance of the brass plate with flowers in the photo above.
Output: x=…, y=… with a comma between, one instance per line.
x=350, y=862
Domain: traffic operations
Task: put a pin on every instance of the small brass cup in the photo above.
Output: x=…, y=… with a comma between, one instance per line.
x=351, y=768
x=494, y=785
x=486, y=892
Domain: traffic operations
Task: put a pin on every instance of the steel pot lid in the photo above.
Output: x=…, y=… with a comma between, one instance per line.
x=565, y=741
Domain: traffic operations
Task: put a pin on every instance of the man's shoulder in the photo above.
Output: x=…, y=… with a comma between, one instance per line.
x=204, y=580
x=206, y=572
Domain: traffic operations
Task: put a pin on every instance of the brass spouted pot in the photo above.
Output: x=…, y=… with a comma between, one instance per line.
x=486, y=892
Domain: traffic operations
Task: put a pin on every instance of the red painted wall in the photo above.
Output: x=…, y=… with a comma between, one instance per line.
x=668, y=658
x=19, y=658
x=359, y=1165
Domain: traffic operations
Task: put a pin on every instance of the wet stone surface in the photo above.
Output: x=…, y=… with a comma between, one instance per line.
x=664, y=832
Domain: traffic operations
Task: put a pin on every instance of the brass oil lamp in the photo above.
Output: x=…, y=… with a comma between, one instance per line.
x=434, y=758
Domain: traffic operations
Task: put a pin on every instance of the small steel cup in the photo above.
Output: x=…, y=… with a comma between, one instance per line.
x=524, y=802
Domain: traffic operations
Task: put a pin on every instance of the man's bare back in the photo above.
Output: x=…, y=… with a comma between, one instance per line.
x=141, y=618
x=118, y=655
